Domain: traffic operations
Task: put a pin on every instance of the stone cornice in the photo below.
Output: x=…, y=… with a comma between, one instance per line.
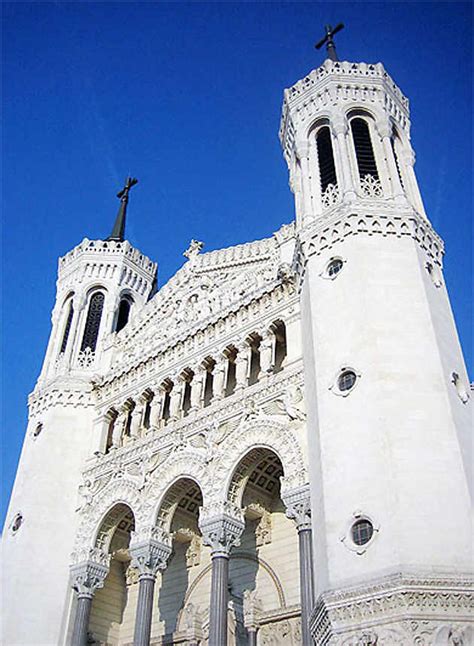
x=392, y=599
x=370, y=217
x=61, y=392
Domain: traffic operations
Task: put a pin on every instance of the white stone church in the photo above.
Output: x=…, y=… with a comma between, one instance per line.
x=271, y=449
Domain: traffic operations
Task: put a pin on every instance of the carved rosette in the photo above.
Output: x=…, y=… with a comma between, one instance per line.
x=298, y=507
x=150, y=551
x=221, y=525
x=88, y=571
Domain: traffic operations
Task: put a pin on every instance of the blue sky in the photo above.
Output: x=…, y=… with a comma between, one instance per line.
x=187, y=97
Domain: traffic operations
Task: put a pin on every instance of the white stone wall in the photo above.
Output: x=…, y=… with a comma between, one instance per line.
x=390, y=448
x=35, y=569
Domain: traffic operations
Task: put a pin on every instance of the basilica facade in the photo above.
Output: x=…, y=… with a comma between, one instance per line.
x=273, y=447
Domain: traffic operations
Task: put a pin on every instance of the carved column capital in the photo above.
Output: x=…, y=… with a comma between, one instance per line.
x=339, y=126
x=252, y=610
x=88, y=571
x=298, y=507
x=302, y=149
x=150, y=551
x=221, y=525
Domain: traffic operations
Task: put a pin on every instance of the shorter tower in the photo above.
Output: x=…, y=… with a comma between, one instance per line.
x=100, y=285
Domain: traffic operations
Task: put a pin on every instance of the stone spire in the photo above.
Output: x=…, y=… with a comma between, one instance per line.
x=118, y=232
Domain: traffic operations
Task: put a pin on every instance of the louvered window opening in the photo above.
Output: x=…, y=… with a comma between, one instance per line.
x=94, y=315
x=363, y=148
x=67, y=329
x=123, y=314
x=327, y=169
x=394, y=149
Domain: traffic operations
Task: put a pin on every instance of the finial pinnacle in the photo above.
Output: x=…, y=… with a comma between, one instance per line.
x=118, y=232
x=328, y=40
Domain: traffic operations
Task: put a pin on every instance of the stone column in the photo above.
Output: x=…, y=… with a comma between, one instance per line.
x=221, y=525
x=87, y=575
x=100, y=432
x=303, y=155
x=341, y=155
x=385, y=132
x=252, y=610
x=197, y=388
x=298, y=508
x=267, y=352
x=407, y=159
x=137, y=416
x=149, y=555
x=242, y=362
x=219, y=372
x=119, y=425
x=176, y=396
x=156, y=407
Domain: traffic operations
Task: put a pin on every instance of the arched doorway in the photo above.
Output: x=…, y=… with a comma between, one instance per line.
x=264, y=583
x=178, y=514
x=112, y=612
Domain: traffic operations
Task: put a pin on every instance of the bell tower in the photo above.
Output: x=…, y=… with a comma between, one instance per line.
x=101, y=284
x=386, y=388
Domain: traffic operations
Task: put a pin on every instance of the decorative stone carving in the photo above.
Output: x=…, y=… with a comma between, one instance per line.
x=191, y=623
x=194, y=248
x=371, y=186
x=263, y=531
x=252, y=609
x=298, y=507
x=131, y=575
x=221, y=525
x=280, y=633
x=150, y=551
x=193, y=553
x=340, y=615
x=321, y=237
x=88, y=575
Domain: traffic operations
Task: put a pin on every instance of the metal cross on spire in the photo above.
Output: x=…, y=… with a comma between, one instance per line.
x=118, y=232
x=328, y=40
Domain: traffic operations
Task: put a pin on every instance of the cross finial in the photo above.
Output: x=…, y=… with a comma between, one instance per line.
x=118, y=232
x=328, y=40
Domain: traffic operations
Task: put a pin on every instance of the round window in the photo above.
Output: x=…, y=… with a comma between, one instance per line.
x=17, y=523
x=346, y=380
x=334, y=267
x=362, y=531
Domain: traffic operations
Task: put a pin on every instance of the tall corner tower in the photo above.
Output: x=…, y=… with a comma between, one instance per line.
x=101, y=283
x=386, y=389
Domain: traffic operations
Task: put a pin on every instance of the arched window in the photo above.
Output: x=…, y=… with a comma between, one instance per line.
x=67, y=327
x=327, y=169
x=123, y=313
x=94, y=315
x=363, y=149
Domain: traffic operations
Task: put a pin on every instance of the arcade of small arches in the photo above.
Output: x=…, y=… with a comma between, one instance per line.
x=355, y=153
x=214, y=378
x=220, y=596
